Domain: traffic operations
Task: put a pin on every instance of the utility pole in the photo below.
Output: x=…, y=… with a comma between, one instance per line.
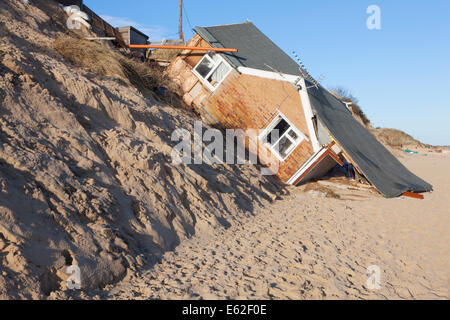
x=180, y=30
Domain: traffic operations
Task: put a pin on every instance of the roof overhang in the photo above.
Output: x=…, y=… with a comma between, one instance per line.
x=269, y=75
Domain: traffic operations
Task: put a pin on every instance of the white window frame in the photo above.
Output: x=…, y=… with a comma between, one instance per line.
x=295, y=143
x=204, y=80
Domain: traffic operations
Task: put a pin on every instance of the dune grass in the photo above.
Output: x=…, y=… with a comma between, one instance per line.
x=344, y=95
x=396, y=138
x=107, y=62
x=165, y=54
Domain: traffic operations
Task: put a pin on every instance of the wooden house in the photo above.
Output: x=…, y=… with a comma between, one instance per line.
x=261, y=88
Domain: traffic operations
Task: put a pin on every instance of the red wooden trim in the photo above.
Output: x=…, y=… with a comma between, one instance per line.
x=413, y=195
x=327, y=153
x=335, y=157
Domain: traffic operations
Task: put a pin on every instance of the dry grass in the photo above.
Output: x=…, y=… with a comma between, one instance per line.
x=345, y=96
x=359, y=113
x=165, y=54
x=391, y=137
x=396, y=138
x=109, y=63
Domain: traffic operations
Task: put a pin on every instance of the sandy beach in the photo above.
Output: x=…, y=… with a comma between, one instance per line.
x=311, y=247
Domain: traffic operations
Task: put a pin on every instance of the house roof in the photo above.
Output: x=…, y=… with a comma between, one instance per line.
x=255, y=49
x=379, y=166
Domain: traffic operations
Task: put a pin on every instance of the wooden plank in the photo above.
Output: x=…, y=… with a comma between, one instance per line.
x=100, y=38
x=102, y=25
x=413, y=195
x=345, y=154
x=335, y=157
x=149, y=46
x=165, y=42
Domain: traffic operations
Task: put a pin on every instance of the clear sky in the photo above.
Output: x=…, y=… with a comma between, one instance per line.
x=400, y=74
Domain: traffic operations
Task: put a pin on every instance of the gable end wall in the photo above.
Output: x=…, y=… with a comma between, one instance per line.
x=244, y=102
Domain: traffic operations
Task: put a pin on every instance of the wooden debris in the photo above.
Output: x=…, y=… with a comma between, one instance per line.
x=151, y=46
x=413, y=195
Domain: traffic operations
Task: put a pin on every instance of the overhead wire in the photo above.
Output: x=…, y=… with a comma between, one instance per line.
x=187, y=19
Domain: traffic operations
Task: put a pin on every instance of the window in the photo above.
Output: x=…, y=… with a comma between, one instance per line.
x=281, y=137
x=212, y=70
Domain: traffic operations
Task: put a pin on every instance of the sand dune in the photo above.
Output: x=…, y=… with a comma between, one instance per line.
x=85, y=168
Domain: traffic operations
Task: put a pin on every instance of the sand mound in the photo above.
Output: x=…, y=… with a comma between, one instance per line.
x=397, y=138
x=309, y=246
x=85, y=169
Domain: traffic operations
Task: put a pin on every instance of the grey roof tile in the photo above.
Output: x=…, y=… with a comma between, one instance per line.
x=255, y=49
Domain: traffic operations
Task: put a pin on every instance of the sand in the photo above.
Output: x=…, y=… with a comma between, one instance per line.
x=313, y=247
x=86, y=179
x=86, y=176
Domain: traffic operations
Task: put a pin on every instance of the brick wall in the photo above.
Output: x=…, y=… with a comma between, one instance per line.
x=245, y=102
x=249, y=102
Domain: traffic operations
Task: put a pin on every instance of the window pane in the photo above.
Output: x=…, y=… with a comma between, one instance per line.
x=281, y=127
x=293, y=135
x=205, y=67
x=284, y=146
x=219, y=74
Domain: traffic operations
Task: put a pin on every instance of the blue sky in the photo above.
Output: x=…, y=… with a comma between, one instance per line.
x=400, y=74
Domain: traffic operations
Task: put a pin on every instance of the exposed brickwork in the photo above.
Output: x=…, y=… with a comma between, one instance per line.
x=246, y=102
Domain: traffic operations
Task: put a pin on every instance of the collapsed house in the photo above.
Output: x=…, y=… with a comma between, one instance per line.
x=261, y=87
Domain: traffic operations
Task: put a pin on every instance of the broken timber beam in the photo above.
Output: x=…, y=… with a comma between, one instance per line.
x=100, y=38
x=150, y=46
x=413, y=195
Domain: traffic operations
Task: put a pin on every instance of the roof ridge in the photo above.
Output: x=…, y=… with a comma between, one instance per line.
x=256, y=49
x=229, y=24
